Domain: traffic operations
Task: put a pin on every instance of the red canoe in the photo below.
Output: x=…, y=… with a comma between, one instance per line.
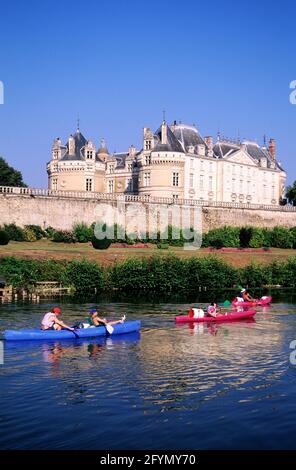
x=228, y=316
x=258, y=303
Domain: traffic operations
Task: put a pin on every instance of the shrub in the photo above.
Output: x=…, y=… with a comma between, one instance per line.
x=281, y=237
x=163, y=246
x=245, y=236
x=255, y=275
x=227, y=236
x=101, y=244
x=29, y=234
x=49, y=232
x=14, y=232
x=4, y=238
x=38, y=231
x=84, y=276
x=258, y=238
x=63, y=236
x=83, y=233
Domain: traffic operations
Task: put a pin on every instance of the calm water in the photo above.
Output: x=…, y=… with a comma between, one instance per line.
x=229, y=386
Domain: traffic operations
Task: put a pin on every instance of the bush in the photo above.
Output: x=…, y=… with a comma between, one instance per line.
x=225, y=236
x=83, y=233
x=281, y=237
x=4, y=238
x=84, y=276
x=29, y=234
x=245, y=236
x=63, y=236
x=49, y=232
x=38, y=231
x=101, y=244
x=258, y=238
x=14, y=232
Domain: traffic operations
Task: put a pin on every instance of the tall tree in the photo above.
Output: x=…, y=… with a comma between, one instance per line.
x=291, y=194
x=9, y=176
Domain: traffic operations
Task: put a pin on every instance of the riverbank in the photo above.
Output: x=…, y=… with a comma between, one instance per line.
x=168, y=273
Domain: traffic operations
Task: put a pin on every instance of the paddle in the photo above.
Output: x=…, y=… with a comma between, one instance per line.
x=109, y=329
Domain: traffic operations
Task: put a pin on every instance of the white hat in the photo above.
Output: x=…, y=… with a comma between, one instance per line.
x=243, y=290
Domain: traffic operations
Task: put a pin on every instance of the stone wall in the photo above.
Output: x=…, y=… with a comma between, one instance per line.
x=63, y=212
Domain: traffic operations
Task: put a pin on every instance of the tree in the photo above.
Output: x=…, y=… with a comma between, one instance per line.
x=9, y=176
x=291, y=194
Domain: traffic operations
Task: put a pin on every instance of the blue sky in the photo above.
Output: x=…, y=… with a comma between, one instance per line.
x=221, y=65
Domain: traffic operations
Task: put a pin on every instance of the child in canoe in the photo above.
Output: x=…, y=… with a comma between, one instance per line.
x=50, y=321
x=213, y=310
x=95, y=320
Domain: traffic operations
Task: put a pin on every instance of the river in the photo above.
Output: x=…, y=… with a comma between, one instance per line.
x=229, y=386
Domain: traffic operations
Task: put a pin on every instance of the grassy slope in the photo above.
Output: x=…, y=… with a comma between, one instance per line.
x=45, y=249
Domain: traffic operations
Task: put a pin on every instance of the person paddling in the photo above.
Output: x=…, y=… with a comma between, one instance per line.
x=213, y=310
x=50, y=321
x=95, y=320
x=246, y=296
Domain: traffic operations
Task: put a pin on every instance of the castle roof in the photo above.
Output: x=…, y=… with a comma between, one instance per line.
x=172, y=145
x=188, y=136
x=80, y=142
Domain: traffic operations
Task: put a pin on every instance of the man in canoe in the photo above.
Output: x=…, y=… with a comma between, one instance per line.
x=50, y=321
x=246, y=296
x=95, y=320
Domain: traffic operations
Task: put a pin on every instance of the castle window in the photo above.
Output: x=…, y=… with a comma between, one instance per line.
x=148, y=145
x=191, y=180
x=89, y=154
x=148, y=160
x=130, y=167
x=241, y=186
x=233, y=185
x=191, y=163
x=55, y=154
x=175, y=196
x=88, y=184
x=201, y=165
x=147, y=179
x=175, y=179
x=111, y=186
x=111, y=168
x=210, y=183
x=129, y=185
x=55, y=184
x=201, y=182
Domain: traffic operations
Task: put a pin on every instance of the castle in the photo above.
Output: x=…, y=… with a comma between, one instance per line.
x=176, y=162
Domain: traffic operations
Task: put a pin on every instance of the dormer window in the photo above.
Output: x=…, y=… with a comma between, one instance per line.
x=56, y=154
x=111, y=168
x=148, y=160
x=148, y=144
x=89, y=154
x=130, y=167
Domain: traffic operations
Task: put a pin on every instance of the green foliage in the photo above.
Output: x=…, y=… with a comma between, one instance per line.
x=225, y=236
x=291, y=194
x=29, y=234
x=163, y=246
x=83, y=233
x=281, y=237
x=38, y=231
x=9, y=176
x=63, y=236
x=84, y=276
x=258, y=238
x=14, y=232
x=101, y=244
x=4, y=238
x=255, y=275
x=245, y=236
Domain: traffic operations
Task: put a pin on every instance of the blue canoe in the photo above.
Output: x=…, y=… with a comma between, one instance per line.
x=36, y=334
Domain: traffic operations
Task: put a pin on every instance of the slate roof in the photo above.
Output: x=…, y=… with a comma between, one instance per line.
x=188, y=136
x=80, y=142
x=172, y=145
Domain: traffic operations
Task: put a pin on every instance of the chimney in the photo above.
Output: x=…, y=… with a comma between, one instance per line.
x=209, y=142
x=132, y=151
x=164, y=132
x=271, y=148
